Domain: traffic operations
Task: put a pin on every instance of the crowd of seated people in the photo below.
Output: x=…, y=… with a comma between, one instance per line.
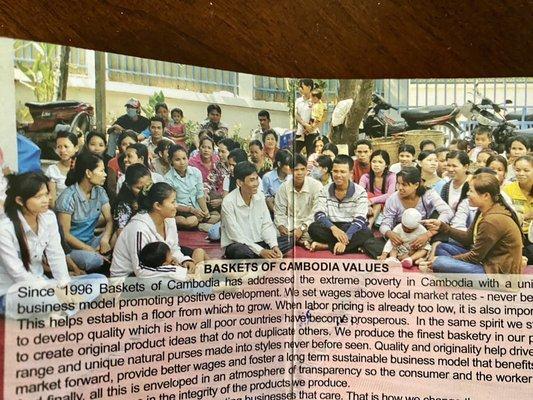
x=445, y=209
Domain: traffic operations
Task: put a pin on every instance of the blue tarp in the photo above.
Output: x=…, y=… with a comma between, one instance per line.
x=29, y=155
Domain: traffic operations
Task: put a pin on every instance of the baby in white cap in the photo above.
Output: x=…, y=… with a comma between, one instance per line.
x=409, y=229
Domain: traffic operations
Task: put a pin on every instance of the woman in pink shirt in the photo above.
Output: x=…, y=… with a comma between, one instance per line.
x=379, y=184
x=206, y=161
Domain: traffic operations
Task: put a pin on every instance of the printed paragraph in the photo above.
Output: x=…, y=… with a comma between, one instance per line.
x=451, y=336
x=156, y=339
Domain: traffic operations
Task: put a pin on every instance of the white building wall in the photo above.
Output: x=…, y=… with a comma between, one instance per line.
x=8, y=127
x=238, y=112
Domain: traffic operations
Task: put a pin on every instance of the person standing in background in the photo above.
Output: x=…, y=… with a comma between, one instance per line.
x=176, y=129
x=217, y=129
x=303, y=108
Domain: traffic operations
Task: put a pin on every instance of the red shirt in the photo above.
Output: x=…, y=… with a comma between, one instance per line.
x=359, y=171
x=209, y=175
x=176, y=132
x=113, y=164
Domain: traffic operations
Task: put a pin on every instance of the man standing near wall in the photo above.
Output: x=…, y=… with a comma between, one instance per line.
x=303, y=108
x=213, y=124
x=263, y=117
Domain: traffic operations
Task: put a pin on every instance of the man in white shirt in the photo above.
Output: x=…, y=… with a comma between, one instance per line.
x=303, y=107
x=247, y=230
x=295, y=202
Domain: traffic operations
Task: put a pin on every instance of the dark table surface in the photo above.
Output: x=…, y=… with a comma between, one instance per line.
x=329, y=39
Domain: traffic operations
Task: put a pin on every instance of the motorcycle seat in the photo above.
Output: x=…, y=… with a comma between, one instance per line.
x=518, y=117
x=54, y=104
x=424, y=113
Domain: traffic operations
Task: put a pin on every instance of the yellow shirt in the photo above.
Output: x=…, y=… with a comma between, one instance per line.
x=318, y=111
x=522, y=204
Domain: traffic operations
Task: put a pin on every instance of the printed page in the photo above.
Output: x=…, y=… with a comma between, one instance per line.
x=212, y=234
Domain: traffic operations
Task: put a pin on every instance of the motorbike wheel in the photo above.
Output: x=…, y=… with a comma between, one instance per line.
x=81, y=123
x=450, y=132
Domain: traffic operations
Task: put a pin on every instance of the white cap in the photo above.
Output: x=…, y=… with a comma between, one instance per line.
x=133, y=102
x=411, y=218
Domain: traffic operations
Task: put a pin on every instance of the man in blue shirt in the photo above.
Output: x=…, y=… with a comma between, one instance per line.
x=272, y=180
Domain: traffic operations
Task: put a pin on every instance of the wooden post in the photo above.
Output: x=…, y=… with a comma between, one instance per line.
x=63, y=73
x=99, y=90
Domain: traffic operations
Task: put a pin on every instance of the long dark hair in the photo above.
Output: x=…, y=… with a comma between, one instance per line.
x=157, y=193
x=142, y=151
x=386, y=172
x=412, y=175
x=92, y=134
x=132, y=176
x=488, y=183
x=239, y=155
x=85, y=161
x=24, y=186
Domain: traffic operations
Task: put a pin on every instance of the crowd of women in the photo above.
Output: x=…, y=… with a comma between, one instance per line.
x=455, y=209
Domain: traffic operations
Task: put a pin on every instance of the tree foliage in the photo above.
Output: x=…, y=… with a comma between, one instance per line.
x=149, y=109
x=43, y=72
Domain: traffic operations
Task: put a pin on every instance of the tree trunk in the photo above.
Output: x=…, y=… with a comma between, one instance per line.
x=63, y=73
x=99, y=93
x=347, y=88
x=360, y=90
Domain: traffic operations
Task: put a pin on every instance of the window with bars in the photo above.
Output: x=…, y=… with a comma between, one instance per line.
x=276, y=89
x=409, y=93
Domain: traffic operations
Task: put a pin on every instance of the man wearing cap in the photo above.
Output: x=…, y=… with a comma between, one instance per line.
x=131, y=120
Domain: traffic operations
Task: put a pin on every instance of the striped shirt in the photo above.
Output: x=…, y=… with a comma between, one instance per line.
x=351, y=209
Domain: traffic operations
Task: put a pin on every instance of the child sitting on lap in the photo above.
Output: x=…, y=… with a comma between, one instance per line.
x=409, y=229
x=157, y=256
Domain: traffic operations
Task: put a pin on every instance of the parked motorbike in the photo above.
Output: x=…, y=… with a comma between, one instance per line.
x=441, y=118
x=495, y=116
x=378, y=124
x=76, y=116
